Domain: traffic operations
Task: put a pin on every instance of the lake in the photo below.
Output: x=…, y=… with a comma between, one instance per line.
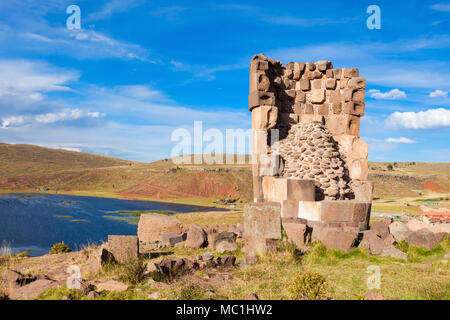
x=37, y=221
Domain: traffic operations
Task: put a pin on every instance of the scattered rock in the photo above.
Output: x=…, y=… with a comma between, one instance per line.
x=238, y=230
x=154, y=295
x=423, y=238
x=225, y=246
x=296, y=233
x=196, y=237
x=415, y=225
x=112, y=285
x=33, y=289
x=99, y=258
x=338, y=239
x=152, y=226
x=93, y=295
x=15, y=279
x=171, y=239
x=399, y=231
x=227, y=261
x=381, y=229
x=372, y=241
x=123, y=248
x=252, y=296
x=394, y=252
x=207, y=256
x=151, y=267
x=373, y=295
x=389, y=240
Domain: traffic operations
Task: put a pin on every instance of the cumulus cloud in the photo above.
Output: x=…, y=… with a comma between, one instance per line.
x=429, y=119
x=392, y=94
x=438, y=93
x=400, y=140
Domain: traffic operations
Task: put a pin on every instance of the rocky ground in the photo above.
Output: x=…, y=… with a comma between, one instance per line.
x=208, y=263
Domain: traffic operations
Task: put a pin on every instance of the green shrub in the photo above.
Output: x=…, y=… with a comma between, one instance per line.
x=132, y=271
x=308, y=285
x=403, y=246
x=191, y=292
x=60, y=248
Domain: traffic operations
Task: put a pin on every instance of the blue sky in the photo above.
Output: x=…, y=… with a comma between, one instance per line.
x=138, y=70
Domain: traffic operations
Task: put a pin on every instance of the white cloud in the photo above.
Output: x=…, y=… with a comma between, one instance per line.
x=47, y=118
x=392, y=94
x=400, y=140
x=438, y=93
x=429, y=119
x=66, y=114
x=444, y=7
x=12, y=121
x=31, y=78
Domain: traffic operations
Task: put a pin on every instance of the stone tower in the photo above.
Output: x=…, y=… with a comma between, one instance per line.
x=306, y=152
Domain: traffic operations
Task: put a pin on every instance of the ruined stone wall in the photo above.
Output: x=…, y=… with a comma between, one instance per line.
x=291, y=97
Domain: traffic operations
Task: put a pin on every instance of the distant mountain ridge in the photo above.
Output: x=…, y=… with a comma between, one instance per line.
x=28, y=168
x=18, y=159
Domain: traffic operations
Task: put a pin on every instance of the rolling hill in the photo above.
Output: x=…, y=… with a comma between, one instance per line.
x=25, y=168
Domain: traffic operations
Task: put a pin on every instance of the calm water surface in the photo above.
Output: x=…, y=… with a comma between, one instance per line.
x=37, y=221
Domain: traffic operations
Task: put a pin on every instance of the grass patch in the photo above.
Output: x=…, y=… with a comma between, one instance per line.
x=131, y=220
x=431, y=200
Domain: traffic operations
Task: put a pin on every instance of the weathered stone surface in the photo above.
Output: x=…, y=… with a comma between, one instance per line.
x=330, y=84
x=99, y=258
x=112, y=285
x=226, y=261
x=372, y=242
x=259, y=81
x=337, y=239
x=259, y=98
x=415, y=225
x=296, y=233
x=345, y=213
x=278, y=189
x=14, y=279
x=393, y=252
x=262, y=221
x=123, y=248
x=399, y=230
x=264, y=117
x=196, y=237
x=363, y=190
x=33, y=289
x=343, y=124
x=152, y=226
x=317, y=96
x=423, y=238
x=350, y=72
x=172, y=239
x=380, y=228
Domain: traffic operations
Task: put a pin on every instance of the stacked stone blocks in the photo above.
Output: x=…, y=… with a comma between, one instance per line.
x=320, y=176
